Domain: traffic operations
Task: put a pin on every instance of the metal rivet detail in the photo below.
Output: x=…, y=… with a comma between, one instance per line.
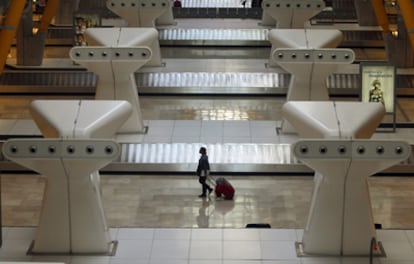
x=361, y=149
x=380, y=150
x=51, y=149
x=90, y=149
x=70, y=149
x=341, y=149
x=109, y=149
x=33, y=149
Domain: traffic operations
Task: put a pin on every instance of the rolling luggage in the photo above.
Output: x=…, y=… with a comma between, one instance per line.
x=222, y=188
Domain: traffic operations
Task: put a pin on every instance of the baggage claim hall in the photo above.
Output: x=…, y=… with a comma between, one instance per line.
x=303, y=106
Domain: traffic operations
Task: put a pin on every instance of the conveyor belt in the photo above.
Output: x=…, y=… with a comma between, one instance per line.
x=253, y=37
x=224, y=37
x=245, y=83
x=39, y=82
x=212, y=83
x=228, y=157
x=214, y=37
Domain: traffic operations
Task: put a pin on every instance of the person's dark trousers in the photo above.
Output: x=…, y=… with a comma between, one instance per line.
x=202, y=181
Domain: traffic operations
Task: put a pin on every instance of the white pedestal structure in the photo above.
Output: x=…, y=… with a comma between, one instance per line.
x=331, y=119
x=80, y=118
x=143, y=13
x=72, y=219
x=340, y=220
x=115, y=65
x=303, y=39
x=290, y=13
x=309, y=69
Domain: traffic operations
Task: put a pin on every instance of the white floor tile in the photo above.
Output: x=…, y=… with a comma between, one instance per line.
x=211, y=139
x=213, y=131
x=160, y=123
x=159, y=131
x=392, y=235
x=90, y=260
x=390, y=261
x=278, y=250
x=186, y=131
x=127, y=261
x=359, y=260
x=207, y=234
x=241, y=234
x=299, y=234
x=217, y=124
x=209, y=261
x=24, y=233
x=188, y=123
x=320, y=260
x=281, y=262
x=241, y=250
x=410, y=235
x=278, y=234
x=251, y=261
x=236, y=131
x=206, y=249
x=172, y=233
x=6, y=126
x=237, y=139
x=170, y=261
x=170, y=249
x=263, y=131
x=15, y=248
x=24, y=127
x=139, y=249
x=151, y=139
x=55, y=258
x=269, y=140
x=185, y=139
x=130, y=138
x=398, y=250
x=136, y=233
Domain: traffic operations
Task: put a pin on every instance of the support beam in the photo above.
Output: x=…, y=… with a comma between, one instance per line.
x=407, y=12
x=8, y=30
x=50, y=12
x=381, y=15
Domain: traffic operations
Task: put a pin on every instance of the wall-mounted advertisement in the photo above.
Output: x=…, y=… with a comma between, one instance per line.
x=81, y=22
x=378, y=84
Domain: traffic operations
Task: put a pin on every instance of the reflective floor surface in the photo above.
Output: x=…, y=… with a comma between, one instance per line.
x=207, y=246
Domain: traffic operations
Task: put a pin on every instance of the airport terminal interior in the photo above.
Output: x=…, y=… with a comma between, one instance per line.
x=277, y=91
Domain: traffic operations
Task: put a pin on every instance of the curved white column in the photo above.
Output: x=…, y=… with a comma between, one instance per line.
x=340, y=220
x=80, y=118
x=115, y=68
x=290, y=13
x=303, y=38
x=332, y=119
x=72, y=219
x=309, y=70
x=143, y=13
x=127, y=37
